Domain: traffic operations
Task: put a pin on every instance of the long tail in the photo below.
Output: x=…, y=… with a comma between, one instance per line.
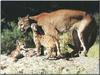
x=93, y=34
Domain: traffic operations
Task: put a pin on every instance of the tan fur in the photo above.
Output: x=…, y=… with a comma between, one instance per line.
x=64, y=20
x=16, y=52
x=47, y=41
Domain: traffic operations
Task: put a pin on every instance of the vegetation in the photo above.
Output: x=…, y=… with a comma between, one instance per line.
x=9, y=34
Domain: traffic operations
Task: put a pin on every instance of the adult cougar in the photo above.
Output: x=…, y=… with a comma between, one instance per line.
x=81, y=23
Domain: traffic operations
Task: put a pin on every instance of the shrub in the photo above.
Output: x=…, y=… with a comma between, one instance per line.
x=10, y=35
x=65, y=39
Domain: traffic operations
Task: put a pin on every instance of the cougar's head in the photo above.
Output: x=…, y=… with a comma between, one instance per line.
x=24, y=23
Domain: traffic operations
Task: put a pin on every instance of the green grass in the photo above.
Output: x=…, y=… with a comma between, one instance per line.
x=94, y=51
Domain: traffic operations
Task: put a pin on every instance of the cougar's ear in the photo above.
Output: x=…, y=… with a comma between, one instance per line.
x=19, y=18
x=17, y=42
x=27, y=17
x=33, y=19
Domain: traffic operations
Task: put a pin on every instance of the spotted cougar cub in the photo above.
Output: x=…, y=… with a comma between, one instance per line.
x=47, y=41
x=20, y=46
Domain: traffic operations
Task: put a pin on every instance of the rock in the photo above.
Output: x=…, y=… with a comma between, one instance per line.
x=40, y=65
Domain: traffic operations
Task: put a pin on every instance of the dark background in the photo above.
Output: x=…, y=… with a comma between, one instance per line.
x=13, y=9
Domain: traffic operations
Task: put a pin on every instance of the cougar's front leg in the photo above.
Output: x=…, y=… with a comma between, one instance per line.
x=49, y=52
x=38, y=51
x=58, y=49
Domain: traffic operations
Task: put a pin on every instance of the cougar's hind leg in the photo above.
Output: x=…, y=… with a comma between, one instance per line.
x=83, y=43
x=77, y=44
x=84, y=30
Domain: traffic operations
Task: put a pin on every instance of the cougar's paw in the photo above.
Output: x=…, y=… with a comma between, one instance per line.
x=51, y=58
x=38, y=54
x=60, y=56
x=83, y=54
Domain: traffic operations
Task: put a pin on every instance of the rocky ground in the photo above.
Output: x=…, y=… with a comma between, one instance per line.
x=40, y=65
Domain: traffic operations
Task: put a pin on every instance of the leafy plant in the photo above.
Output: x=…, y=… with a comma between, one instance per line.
x=10, y=35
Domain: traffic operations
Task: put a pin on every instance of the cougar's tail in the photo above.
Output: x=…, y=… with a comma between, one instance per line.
x=93, y=34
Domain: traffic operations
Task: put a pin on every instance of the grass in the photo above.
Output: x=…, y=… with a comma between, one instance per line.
x=94, y=51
